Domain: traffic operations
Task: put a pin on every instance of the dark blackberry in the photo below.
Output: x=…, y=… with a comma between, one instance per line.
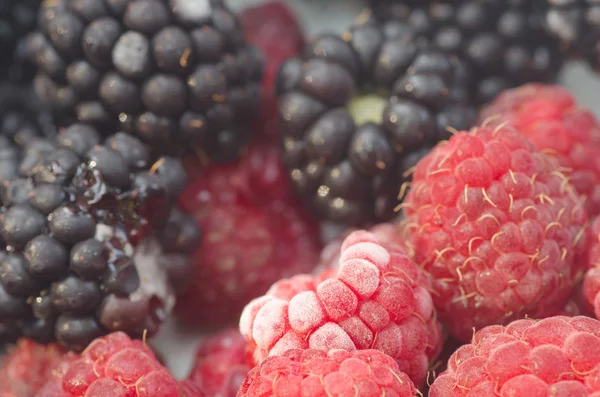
x=576, y=23
x=175, y=73
x=504, y=41
x=17, y=20
x=91, y=244
x=357, y=111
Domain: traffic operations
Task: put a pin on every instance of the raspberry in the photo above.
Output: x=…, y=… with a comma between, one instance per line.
x=114, y=366
x=377, y=299
x=273, y=28
x=591, y=283
x=254, y=233
x=554, y=357
x=549, y=116
x=28, y=366
x=497, y=226
x=301, y=373
x=221, y=364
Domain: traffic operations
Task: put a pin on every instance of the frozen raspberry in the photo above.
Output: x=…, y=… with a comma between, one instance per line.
x=222, y=363
x=28, y=366
x=497, y=226
x=273, y=28
x=115, y=366
x=549, y=116
x=554, y=357
x=377, y=299
x=315, y=373
x=254, y=233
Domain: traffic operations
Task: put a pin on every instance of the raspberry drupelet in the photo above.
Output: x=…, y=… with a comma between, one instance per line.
x=315, y=373
x=554, y=357
x=376, y=299
x=497, y=226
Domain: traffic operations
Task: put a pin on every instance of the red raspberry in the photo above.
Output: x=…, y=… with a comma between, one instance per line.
x=591, y=283
x=554, y=357
x=377, y=299
x=315, y=373
x=28, y=366
x=548, y=115
x=115, y=366
x=254, y=233
x=497, y=226
x=222, y=363
x=274, y=29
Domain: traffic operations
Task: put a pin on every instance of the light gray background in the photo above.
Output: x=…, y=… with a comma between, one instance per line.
x=177, y=346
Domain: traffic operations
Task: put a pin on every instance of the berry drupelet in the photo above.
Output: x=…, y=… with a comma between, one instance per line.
x=504, y=41
x=17, y=19
x=357, y=111
x=177, y=73
x=80, y=257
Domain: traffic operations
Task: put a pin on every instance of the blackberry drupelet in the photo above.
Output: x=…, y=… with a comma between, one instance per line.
x=576, y=23
x=17, y=20
x=80, y=255
x=504, y=41
x=175, y=73
x=357, y=111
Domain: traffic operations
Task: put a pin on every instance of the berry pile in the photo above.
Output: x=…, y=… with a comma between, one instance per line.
x=150, y=171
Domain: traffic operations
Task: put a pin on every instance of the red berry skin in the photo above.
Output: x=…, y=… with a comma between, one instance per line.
x=377, y=298
x=222, y=363
x=549, y=116
x=28, y=366
x=274, y=29
x=115, y=366
x=497, y=226
x=553, y=357
x=254, y=233
x=315, y=373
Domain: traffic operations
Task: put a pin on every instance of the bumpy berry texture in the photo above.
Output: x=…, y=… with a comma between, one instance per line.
x=377, y=299
x=504, y=42
x=497, y=226
x=17, y=20
x=114, y=366
x=254, y=233
x=273, y=28
x=222, y=363
x=300, y=373
x=28, y=366
x=175, y=73
x=81, y=252
x=548, y=116
x=556, y=356
x=591, y=282
x=357, y=111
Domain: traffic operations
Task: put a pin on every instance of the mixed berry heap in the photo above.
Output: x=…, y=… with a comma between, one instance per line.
x=504, y=41
x=175, y=73
x=358, y=110
x=498, y=227
x=76, y=221
x=17, y=19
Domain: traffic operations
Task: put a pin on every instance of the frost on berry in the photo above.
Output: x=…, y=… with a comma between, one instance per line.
x=497, y=226
x=556, y=356
x=377, y=299
x=316, y=373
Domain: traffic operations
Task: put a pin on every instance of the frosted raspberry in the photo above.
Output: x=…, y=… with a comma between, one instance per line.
x=554, y=357
x=497, y=226
x=221, y=364
x=28, y=366
x=254, y=233
x=315, y=373
x=549, y=116
x=115, y=366
x=377, y=299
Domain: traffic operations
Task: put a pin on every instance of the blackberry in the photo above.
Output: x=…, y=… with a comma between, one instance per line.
x=504, y=41
x=91, y=244
x=358, y=110
x=17, y=19
x=576, y=23
x=175, y=73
